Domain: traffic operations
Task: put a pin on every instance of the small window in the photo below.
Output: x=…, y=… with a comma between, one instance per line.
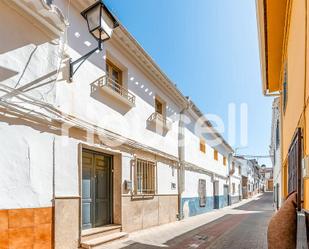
x=202, y=146
x=145, y=177
x=233, y=188
x=277, y=135
x=239, y=170
x=216, y=155
x=113, y=73
x=224, y=161
x=285, y=87
x=202, y=192
x=158, y=106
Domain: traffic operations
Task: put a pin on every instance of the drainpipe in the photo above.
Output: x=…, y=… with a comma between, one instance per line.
x=181, y=157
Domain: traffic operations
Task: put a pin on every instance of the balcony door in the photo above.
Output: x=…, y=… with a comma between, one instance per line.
x=114, y=75
x=158, y=106
x=96, y=189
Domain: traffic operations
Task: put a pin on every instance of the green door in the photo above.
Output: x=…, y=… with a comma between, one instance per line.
x=96, y=189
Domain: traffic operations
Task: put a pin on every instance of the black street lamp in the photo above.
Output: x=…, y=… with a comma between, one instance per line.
x=101, y=24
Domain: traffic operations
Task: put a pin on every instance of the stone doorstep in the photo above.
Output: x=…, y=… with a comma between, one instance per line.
x=103, y=229
x=91, y=244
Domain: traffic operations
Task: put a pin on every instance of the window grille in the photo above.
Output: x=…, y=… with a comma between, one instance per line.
x=145, y=177
x=202, y=192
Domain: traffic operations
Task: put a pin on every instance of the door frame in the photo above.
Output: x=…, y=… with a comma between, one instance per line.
x=99, y=151
x=226, y=202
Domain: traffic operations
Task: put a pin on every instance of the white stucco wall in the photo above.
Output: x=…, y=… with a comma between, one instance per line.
x=26, y=161
x=191, y=185
x=66, y=167
x=206, y=160
x=166, y=175
x=26, y=167
x=238, y=188
x=76, y=99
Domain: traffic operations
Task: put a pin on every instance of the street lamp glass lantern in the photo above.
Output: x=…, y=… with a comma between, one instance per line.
x=101, y=22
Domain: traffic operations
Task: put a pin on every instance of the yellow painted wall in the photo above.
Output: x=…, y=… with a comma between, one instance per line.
x=296, y=73
x=296, y=114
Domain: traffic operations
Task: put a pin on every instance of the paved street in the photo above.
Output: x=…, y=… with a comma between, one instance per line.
x=243, y=225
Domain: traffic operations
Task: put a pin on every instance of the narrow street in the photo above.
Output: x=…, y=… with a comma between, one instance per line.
x=243, y=226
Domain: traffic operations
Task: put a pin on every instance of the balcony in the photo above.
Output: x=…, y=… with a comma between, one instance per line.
x=114, y=89
x=232, y=171
x=159, y=122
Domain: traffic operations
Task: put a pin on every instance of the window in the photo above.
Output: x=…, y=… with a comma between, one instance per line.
x=202, y=192
x=233, y=188
x=114, y=76
x=145, y=177
x=285, y=87
x=239, y=170
x=232, y=169
x=158, y=106
x=277, y=135
x=224, y=161
x=216, y=155
x=202, y=146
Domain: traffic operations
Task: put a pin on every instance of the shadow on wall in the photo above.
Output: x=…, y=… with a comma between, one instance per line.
x=108, y=100
x=156, y=128
x=23, y=55
x=18, y=32
x=146, y=93
x=37, y=115
x=6, y=73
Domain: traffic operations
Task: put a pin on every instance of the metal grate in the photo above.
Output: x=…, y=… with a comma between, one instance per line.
x=294, y=166
x=202, y=192
x=145, y=177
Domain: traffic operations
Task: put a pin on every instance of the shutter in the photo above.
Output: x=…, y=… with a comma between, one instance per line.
x=294, y=166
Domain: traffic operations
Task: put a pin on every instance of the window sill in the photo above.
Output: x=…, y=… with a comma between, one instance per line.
x=142, y=197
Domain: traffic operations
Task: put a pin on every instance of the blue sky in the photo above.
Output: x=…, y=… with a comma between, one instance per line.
x=209, y=48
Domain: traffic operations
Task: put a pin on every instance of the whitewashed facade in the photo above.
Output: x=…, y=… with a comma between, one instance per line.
x=275, y=152
x=206, y=163
x=102, y=149
x=235, y=180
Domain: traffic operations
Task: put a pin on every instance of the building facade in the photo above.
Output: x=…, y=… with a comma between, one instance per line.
x=283, y=45
x=235, y=177
x=95, y=151
x=99, y=153
x=283, y=28
x=267, y=179
x=206, y=162
x=275, y=152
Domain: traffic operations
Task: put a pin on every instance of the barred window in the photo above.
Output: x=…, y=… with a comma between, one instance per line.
x=202, y=192
x=145, y=177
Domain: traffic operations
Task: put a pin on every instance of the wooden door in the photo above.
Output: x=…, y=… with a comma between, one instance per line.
x=96, y=190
